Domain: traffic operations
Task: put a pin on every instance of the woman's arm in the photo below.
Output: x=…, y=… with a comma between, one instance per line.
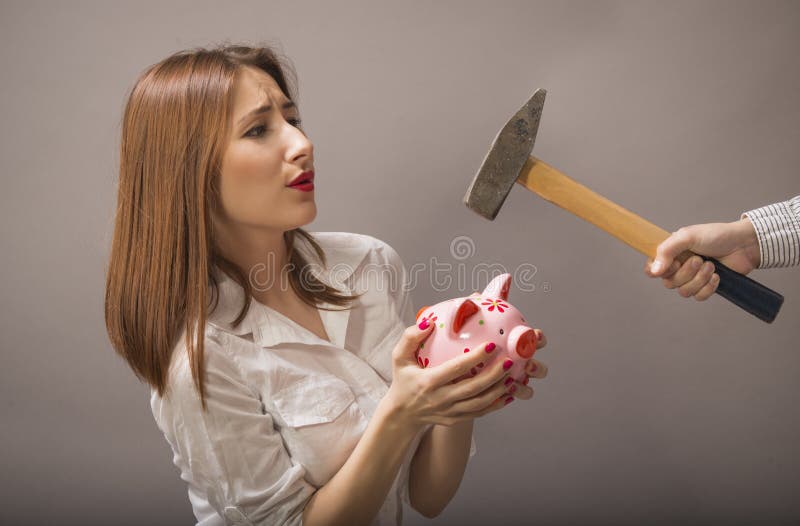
x=357, y=491
x=438, y=467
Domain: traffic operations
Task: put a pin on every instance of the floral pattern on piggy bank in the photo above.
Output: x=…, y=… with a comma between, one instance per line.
x=463, y=324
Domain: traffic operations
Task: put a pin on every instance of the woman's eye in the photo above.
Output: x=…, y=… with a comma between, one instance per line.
x=294, y=122
x=250, y=132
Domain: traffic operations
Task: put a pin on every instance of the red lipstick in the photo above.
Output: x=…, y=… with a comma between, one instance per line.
x=303, y=182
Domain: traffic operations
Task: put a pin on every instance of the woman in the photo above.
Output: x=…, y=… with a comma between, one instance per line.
x=279, y=407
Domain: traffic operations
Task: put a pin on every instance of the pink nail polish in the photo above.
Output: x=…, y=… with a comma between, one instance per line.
x=508, y=381
x=423, y=324
x=526, y=380
x=509, y=400
x=490, y=347
x=480, y=365
x=507, y=364
x=512, y=389
x=533, y=367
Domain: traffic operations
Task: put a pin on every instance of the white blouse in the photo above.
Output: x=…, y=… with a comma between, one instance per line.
x=285, y=407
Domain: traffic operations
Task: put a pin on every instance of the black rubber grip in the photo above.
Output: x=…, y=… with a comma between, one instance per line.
x=760, y=301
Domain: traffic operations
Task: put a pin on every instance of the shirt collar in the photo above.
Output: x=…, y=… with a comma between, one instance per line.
x=267, y=326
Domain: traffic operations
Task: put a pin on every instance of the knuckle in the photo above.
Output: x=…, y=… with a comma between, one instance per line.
x=683, y=232
x=501, y=390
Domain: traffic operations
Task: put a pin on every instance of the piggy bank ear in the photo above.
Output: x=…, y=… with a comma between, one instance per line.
x=464, y=311
x=419, y=312
x=498, y=287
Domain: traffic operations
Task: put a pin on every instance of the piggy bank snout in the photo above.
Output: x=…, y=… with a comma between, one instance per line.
x=522, y=341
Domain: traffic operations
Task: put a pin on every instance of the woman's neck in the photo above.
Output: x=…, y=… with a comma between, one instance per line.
x=263, y=257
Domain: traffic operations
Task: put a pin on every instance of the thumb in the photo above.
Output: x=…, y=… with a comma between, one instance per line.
x=411, y=339
x=669, y=249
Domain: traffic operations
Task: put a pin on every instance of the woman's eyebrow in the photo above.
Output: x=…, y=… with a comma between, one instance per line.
x=266, y=108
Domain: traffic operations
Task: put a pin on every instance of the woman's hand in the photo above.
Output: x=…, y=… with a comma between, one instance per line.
x=734, y=244
x=534, y=369
x=439, y=395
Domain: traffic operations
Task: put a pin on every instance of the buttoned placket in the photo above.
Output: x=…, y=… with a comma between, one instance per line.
x=273, y=328
x=270, y=328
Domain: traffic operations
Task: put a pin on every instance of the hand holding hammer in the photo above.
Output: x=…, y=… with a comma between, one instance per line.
x=509, y=161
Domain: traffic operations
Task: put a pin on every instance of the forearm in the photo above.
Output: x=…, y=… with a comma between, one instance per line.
x=438, y=466
x=355, y=494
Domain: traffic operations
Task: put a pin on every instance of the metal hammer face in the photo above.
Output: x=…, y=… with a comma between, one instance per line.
x=502, y=165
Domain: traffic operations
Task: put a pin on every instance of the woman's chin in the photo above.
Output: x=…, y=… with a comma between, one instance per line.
x=307, y=214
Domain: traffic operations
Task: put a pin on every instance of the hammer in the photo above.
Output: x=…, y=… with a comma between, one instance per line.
x=509, y=160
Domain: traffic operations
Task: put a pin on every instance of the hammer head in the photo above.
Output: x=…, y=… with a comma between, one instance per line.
x=501, y=166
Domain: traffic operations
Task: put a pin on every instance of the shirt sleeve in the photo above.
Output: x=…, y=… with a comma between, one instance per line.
x=778, y=230
x=407, y=313
x=232, y=451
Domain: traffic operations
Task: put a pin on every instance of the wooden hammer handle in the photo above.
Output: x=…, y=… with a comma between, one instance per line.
x=544, y=180
x=642, y=235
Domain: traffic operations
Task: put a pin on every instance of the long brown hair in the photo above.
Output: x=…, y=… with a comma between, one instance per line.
x=161, y=273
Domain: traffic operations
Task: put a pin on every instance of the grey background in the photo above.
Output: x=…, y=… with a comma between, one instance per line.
x=657, y=409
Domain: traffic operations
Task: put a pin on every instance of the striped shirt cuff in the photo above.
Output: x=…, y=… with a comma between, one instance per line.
x=778, y=230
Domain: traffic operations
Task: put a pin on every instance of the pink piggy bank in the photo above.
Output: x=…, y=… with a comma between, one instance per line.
x=463, y=324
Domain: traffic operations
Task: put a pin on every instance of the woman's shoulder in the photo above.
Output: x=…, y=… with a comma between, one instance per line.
x=219, y=363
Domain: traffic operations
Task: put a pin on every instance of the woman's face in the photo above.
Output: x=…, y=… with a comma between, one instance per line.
x=265, y=152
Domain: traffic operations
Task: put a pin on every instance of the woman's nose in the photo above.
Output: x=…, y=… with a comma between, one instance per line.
x=298, y=144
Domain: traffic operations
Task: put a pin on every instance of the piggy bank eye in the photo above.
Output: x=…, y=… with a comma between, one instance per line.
x=501, y=331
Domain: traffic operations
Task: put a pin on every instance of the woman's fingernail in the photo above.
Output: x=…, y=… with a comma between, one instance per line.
x=490, y=347
x=509, y=400
x=533, y=367
x=512, y=389
x=473, y=371
x=423, y=324
x=480, y=365
x=526, y=380
x=507, y=364
x=508, y=380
